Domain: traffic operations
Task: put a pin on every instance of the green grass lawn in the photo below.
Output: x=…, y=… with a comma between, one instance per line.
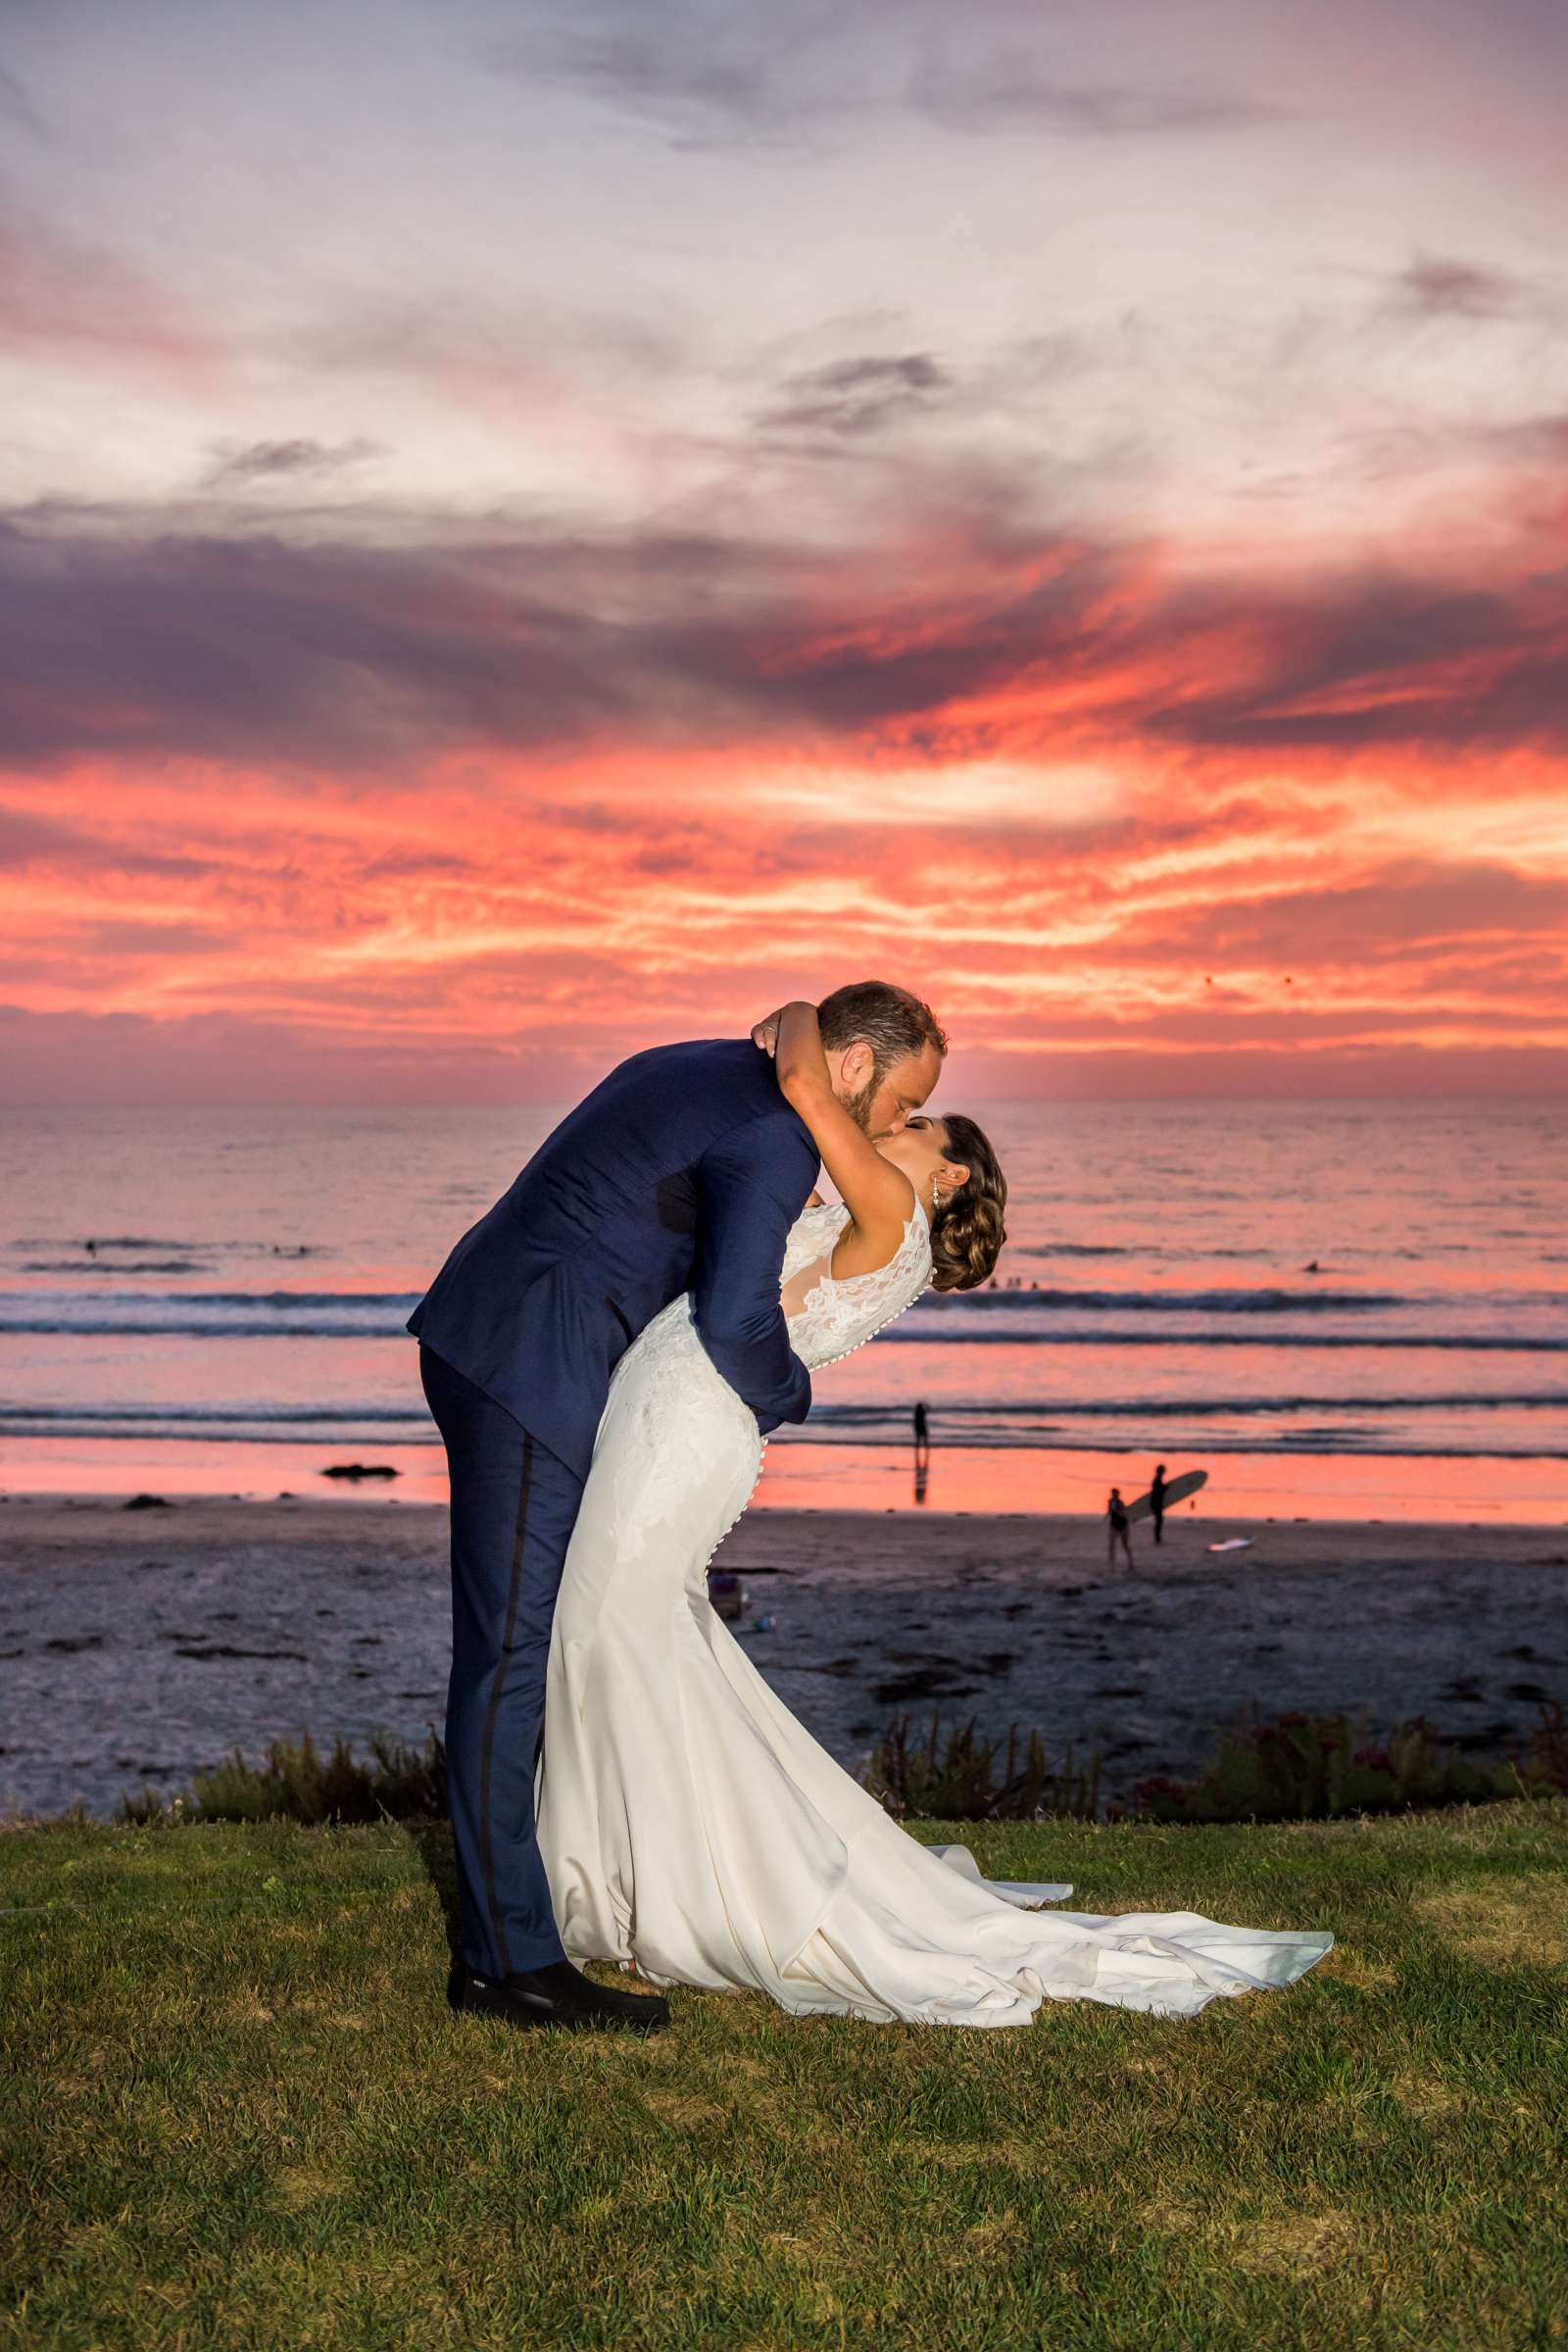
x=238, y=2113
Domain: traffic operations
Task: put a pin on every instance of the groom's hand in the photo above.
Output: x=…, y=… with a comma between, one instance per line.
x=765, y=1035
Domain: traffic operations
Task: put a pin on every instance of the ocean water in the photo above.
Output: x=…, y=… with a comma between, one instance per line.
x=1323, y=1282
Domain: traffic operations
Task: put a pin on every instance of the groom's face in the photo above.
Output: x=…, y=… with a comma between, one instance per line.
x=882, y=1107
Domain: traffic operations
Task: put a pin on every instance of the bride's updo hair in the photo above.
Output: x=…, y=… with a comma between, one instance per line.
x=967, y=1232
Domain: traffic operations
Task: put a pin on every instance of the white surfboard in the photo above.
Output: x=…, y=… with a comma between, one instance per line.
x=1177, y=1490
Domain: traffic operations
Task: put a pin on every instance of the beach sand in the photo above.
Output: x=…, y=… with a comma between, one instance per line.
x=145, y=1645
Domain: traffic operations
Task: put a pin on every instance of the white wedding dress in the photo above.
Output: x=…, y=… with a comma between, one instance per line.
x=694, y=1830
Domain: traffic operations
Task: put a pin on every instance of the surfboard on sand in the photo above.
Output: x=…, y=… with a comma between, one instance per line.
x=1177, y=1490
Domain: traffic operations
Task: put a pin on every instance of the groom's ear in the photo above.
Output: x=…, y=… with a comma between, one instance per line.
x=854, y=1066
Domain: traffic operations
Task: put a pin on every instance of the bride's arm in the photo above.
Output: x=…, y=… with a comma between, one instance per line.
x=878, y=1196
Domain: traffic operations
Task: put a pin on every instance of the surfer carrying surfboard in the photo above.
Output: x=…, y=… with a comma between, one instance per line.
x=1162, y=1496
x=1121, y=1514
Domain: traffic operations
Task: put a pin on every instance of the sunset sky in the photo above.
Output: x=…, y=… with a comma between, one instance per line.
x=533, y=529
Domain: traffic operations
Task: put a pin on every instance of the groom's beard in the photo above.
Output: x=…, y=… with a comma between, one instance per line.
x=858, y=1105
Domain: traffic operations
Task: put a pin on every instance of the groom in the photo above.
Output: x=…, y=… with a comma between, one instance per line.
x=683, y=1170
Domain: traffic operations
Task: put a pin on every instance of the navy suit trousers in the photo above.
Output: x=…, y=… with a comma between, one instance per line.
x=513, y=1504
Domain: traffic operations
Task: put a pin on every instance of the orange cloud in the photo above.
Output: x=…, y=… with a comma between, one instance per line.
x=417, y=822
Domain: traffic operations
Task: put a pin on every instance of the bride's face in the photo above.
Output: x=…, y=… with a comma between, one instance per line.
x=921, y=1152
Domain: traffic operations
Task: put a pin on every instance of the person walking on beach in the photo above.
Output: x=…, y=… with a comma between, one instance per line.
x=1117, y=1524
x=922, y=1451
x=1156, y=1501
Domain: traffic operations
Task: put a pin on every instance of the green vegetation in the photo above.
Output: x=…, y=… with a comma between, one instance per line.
x=1291, y=1768
x=238, y=2115
x=296, y=1782
x=959, y=1775
x=1319, y=1766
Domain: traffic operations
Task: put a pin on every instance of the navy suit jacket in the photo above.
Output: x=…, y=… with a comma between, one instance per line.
x=683, y=1170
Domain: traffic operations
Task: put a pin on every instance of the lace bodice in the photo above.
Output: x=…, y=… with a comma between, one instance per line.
x=670, y=1413
x=836, y=1317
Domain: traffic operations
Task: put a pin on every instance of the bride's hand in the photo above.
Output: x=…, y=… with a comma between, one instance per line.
x=764, y=1037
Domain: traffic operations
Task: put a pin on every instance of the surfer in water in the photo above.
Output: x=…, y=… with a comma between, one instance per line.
x=1117, y=1526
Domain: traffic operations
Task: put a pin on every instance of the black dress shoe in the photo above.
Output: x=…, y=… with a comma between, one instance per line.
x=557, y=1995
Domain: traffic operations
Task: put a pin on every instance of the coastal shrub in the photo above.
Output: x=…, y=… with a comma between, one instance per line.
x=959, y=1775
x=1287, y=1768
x=297, y=1784
x=1542, y=1762
x=1300, y=1767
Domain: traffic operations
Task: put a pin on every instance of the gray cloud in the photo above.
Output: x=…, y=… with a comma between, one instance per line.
x=119, y=637
x=1408, y=907
x=1384, y=659
x=395, y=865
x=125, y=941
x=27, y=840
x=529, y=341
x=17, y=103
x=1543, y=437
x=1010, y=91
x=851, y=398
x=1441, y=286
x=267, y=459
x=704, y=86
x=717, y=78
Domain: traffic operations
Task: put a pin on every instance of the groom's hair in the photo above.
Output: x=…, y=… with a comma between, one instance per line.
x=894, y=1023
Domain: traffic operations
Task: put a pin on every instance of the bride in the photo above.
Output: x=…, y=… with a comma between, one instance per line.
x=691, y=1827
